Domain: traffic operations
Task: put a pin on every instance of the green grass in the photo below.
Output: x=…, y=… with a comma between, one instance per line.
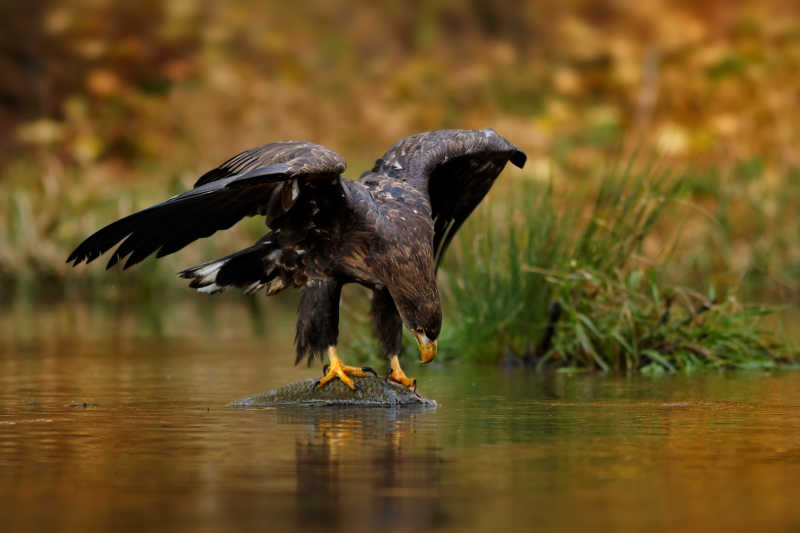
x=620, y=310
x=542, y=264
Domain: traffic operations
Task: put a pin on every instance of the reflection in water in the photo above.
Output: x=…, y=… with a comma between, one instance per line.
x=343, y=448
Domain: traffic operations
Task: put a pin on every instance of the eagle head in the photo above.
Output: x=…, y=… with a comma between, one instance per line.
x=421, y=310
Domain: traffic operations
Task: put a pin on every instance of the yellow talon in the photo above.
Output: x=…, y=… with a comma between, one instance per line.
x=398, y=376
x=337, y=369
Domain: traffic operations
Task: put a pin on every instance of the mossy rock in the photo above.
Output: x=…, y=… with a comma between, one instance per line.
x=374, y=392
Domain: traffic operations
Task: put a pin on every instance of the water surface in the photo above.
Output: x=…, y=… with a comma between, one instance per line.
x=123, y=432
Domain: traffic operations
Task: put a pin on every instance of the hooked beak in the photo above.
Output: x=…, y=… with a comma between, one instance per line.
x=427, y=347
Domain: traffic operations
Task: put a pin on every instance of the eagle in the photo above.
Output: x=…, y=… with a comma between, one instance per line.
x=387, y=231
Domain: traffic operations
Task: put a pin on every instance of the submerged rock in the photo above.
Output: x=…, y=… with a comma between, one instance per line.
x=375, y=392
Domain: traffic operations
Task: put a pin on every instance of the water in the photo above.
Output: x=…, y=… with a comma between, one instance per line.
x=122, y=432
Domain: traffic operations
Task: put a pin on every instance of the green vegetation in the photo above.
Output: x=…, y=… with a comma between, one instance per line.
x=631, y=296
x=559, y=289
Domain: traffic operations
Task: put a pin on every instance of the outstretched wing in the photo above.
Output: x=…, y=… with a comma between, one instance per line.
x=456, y=167
x=263, y=181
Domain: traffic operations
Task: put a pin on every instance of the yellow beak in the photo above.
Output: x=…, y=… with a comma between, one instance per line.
x=427, y=348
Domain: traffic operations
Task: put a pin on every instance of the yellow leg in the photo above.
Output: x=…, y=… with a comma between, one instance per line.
x=398, y=376
x=337, y=369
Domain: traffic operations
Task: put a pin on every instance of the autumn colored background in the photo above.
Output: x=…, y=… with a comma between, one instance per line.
x=113, y=384
x=110, y=106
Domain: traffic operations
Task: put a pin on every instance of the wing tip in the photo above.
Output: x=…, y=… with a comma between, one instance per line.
x=80, y=255
x=518, y=158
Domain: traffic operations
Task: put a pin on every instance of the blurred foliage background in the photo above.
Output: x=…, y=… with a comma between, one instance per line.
x=110, y=106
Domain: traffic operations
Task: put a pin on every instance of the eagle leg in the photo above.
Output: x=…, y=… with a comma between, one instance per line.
x=337, y=369
x=397, y=375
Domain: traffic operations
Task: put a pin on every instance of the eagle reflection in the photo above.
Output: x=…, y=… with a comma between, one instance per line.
x=369, y=467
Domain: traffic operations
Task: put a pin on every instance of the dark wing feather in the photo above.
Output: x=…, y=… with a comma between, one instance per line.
x=265, y=180
x=455, y=167
x=268, y=155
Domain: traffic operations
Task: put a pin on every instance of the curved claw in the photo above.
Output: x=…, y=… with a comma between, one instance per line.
x=338, y=370
x=369, y=369
x=325, y=369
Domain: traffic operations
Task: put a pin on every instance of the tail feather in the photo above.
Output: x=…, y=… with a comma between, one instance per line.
x=203, y=275
x=249, y=270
